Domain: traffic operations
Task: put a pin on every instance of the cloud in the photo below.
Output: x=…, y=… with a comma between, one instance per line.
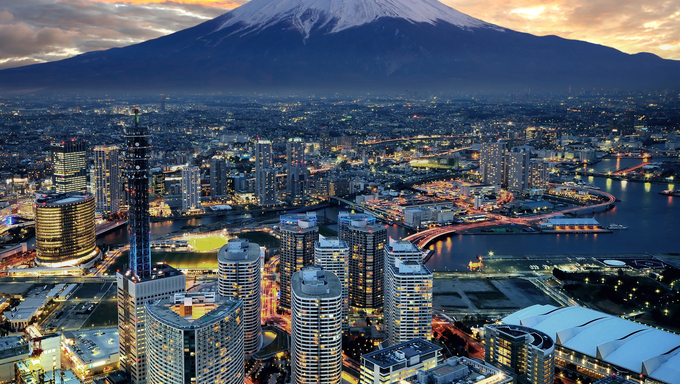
x=33, y=31
x=631, y=26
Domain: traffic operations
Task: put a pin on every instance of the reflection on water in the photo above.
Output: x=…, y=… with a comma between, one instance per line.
x=650, y=217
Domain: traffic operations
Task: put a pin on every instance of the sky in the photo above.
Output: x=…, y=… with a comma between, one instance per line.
x=34, y=31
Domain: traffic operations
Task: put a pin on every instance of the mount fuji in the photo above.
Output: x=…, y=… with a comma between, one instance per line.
x=348, y=45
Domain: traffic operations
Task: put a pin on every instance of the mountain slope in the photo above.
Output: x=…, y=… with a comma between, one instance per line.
x=336, y=45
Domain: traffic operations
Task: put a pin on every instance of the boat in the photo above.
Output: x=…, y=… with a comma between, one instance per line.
x=669, y=192
x=616, y=226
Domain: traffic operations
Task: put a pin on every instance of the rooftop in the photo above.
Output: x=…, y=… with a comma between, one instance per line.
x=401, y=246
x=158, y=271
x=390, y=356
x=239, y=249
x=330, y=242
x=410, y=268
x=61, y=198
x=619, y=342
x=163, y=311
x=313, y=281
x=93, y=346
x=13, y=346
x=302, y=220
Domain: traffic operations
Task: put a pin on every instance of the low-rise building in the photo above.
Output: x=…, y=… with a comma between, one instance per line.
x=399, y=362
x=92, y=352
x=463, y=370
x=12, y=349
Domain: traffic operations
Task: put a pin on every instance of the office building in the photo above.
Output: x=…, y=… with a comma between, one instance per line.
x=491, y=163
x=600, y=345
x=69, y=166
x=299, y=233
x=107, y=174
x=366, y=241
x=527, y=352
x=91, y=352
x=296, y=170
x=64, y=229
x=265, y=173
x=195, y=338
x=398, y=362
x=191, y=188
x=316, y=326
x=408, y=301
x=141, y=283
x=518, y=170
x=539, y=175
x=239, y=278
x=457, y=370
x=332, y=254
x=218, y=177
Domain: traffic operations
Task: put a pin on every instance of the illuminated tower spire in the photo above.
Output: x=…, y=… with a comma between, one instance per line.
x=137, y=173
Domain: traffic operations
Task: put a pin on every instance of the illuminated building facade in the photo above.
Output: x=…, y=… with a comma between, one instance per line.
x=240, y=278
x=398, y=362
x=69, y=166
x=296, y=172
x=64, y=229
x=491, y=163
x=191, y=188
x=195, y=338
x=265, y=173
x=107, y=174
x=366, y=243
x=518, y=170
x=299, y=233
x=332, y=254
x=408, y=301
x=539, y=175
x=218, y=177
x=133, y=294
x=316, y=326
x=141, y=283
x=527, y=352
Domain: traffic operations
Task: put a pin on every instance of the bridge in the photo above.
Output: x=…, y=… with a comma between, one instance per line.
x=424, y=238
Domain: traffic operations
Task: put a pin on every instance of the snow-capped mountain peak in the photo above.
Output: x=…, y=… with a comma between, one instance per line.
x=304, y=15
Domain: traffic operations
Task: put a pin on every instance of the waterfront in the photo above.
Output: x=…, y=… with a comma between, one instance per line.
x=649, y=216
x=653, y=221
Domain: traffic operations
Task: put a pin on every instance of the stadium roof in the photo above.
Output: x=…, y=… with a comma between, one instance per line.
x=626, y=344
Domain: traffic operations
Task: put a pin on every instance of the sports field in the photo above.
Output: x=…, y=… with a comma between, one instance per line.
x=210, y=243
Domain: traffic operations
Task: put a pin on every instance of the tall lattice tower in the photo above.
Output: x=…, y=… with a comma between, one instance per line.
x=137, y=173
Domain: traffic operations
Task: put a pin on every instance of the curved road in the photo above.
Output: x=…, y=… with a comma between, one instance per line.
x=424, y=238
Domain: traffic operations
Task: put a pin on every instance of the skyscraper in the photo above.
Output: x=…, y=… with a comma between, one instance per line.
x=239, y=278
x=191, y=188
x=140, y=283
x=69, y=166
x=539, y=174
x=527, y=352
x=107, y=186
x=366, y=241
x=218, y=177
x=316, y=326
x=345, y=219
x=64, y=229
x=408, y=301
x=296, y=173
x=518, y=170
x=491, y=163
x=332, y=254
x=265, y=173
x=195, y=338
x=299, y=233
